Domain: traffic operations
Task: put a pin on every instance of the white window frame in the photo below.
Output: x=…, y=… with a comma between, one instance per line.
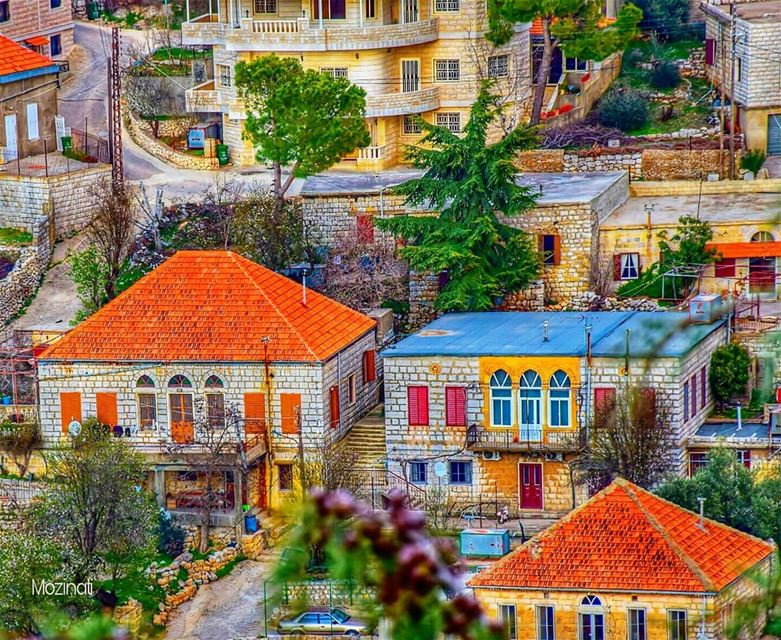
x=566, y=401
x=537, y=621
x=503, y=399
x=352, y=390
x=410, y=125
x=501, y=65
x=142, y=392
x=685, y=624
x=223, y=72
x=33, y=126
x=447, y=6
x=629, y=262
x=336, y=72
x=629, y=623
x=501, y=608
x=451, y=120
x=447, y=70
x=264, y=7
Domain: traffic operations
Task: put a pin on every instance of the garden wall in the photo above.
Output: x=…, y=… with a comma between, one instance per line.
x=140, y=132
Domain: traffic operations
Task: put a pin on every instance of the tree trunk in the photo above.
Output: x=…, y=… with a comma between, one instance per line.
x=543, y=72
x=155, y=127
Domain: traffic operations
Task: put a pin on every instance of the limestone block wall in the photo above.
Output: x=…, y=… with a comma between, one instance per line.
x=22, y=282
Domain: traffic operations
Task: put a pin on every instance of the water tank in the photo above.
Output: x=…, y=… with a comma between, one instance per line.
x=705, y=308
x=484, y=543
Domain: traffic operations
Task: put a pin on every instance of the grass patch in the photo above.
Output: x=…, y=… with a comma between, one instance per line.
x=754, y=409
x=17, y=237
x=197, y=555
x=224, y=571
x=179, y=53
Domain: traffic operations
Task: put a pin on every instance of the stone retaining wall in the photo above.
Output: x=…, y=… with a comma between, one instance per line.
x=140, y=132
x=23, y=280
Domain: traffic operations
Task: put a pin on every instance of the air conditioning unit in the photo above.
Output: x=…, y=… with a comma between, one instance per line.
x=492, y=455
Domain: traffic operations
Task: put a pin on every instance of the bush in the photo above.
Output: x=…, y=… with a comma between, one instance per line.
x=665, y=75
x=753, y=160
x=170, y=536
x=729, y=372
x=669, y=19
x=624, y=109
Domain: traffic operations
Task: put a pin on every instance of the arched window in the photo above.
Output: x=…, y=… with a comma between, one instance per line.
x=145, y=382
x=559, y=400
x=180, y=382
x=214, y=382
x=501, y=399
x=592, y=619
x=762, y=236
x=530, y=393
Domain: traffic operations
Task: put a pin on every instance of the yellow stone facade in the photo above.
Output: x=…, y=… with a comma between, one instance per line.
x=413, y=57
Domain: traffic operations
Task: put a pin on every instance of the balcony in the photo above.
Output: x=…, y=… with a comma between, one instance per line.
x=303, y=34
x=479, y=438
x=396, y=104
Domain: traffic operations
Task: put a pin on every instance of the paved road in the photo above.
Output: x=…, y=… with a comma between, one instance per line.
x=84, y=95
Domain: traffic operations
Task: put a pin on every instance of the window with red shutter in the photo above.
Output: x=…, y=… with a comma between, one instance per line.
x=724, y=268
x=417, y=406
x=364, y=229
x=703, y=388
x=455, y=406
x=369, y=367
x=710, y=51
x=617, y=266
x=604, y=398
x=334, y=406
x=694, y=398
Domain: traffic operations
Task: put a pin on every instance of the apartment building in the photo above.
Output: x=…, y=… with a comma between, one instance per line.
x=46, y=26
x=413, y=57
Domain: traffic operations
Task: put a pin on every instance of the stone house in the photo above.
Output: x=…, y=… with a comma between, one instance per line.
x=494, y=407
x=755, y=91
x=413, y=59
x=45, y=26
x=754, y=443
x=28, y=94
x=207, y=337
x=626, y=564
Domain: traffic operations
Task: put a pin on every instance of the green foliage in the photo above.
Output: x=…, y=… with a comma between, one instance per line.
x=468, y=181
x=734, y=495
x=665, y=75
x=686, y=248
x=11, y=236
x=170, y=536
x=230, y=566
x=96, y=509
x=300, y=118
x=729, y=372
x=667, y=18
x=89, y=273
x=753, y=160
x=623, y=108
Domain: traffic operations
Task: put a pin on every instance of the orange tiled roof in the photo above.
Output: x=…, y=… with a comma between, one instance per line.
x=14, y=58
x=746, y=249
x=626, y=538
x=213, y=306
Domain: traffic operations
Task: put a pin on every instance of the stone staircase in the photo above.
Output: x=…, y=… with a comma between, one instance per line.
x=367, y=439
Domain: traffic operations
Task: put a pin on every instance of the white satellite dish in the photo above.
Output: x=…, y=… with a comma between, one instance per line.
x=74, y=428
x=440, y=469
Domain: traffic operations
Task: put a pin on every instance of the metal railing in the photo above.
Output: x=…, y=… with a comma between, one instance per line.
x=481, y=438
x=383, y=481
x=275, y=26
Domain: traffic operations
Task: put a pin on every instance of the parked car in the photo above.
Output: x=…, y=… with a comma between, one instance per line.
x=323, y=621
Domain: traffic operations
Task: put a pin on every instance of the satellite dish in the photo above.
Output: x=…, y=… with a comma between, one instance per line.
x=440, y=469
x=74, y=428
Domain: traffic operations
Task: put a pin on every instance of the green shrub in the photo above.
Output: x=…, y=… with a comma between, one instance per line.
x=665, y=75
x=170, y=536
x=753, y=160
x=624, y=109
x=729, y=372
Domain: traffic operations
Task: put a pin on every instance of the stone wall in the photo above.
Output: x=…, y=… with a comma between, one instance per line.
x=140, y=132
x=67, y=197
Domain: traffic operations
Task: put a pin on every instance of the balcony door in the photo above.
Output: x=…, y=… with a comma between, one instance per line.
x=410, y=76
x=530, y=485
x=332, y=9
x=409, y=11
x=181, y=417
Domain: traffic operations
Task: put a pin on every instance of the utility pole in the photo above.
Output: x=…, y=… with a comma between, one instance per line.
x=733, y=79
x=115, y=112
x=723, y=92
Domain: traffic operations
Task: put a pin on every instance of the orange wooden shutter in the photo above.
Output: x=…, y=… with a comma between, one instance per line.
x=107, y=408
x=254, y=412
x=334, y=402
x=369, y=367
x=70, y=408
x=291, y=408
x=557, y=249
x=617, y=266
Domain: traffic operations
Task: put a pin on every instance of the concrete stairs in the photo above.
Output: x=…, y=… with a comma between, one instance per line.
x=367, y=439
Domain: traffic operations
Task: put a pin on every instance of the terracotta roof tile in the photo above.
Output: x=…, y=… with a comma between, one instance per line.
x=213, y=306
x=14, y=58
x=626, y=538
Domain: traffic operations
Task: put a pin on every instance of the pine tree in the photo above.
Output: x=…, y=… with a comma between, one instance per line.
x=468, y=181
x=577, y=26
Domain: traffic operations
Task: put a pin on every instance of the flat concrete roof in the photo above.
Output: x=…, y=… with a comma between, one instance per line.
x=728, y=208
x=550, y=188
x=748, y=430
x=762, y=12
x=556, y=333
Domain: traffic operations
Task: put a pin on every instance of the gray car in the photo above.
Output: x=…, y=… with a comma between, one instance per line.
x=323, y=621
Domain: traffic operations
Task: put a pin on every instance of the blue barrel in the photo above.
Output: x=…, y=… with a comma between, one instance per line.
x=250, y=523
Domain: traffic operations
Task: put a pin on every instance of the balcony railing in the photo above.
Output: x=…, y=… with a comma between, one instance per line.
x=478, y=438
x=203, y=98
x=396, y=104
x=371, y=153
x=303, y=34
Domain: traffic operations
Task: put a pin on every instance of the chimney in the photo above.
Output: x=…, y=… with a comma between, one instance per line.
x=545, y=331
x=303, y=288
x=740, y=421
x=702, y=513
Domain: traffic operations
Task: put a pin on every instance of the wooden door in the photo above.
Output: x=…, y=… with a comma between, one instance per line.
x=530, y=485
x=182, y=418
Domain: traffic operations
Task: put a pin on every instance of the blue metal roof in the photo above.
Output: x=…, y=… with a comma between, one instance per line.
x=749, y=430
x=518, y=333
x=29, y=73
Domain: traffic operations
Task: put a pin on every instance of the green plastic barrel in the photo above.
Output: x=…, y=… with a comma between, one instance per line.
x=222, y=154
x=93, y=10
x=67, y=143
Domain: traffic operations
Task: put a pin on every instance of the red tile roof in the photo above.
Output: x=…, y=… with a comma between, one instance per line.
x=746, y=249
x=14, y=58
x=627, y=539
x=213, y=306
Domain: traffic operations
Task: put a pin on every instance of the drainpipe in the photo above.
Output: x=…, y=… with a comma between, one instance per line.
x=740, y=421
x=320, y=13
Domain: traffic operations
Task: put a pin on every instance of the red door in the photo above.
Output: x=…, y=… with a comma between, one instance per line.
x=530, y=481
